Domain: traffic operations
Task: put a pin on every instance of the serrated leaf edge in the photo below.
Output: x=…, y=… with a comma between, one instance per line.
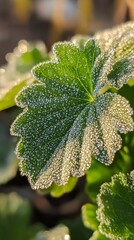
x=101, y=207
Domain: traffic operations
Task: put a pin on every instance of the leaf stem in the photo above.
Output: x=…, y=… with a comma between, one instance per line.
x=104, y=89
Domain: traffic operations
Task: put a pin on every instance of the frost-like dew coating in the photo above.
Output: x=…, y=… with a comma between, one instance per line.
x=60, y=232
x=65, y=123
x=102, y=67
x=117, y=195
x=122, y=71
x=108, y=38
x=121, y=40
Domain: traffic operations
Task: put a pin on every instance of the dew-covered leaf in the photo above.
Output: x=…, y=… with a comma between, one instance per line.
x=60, y=232
x=101, y=69
x=22, y=59
x=16, y=73
x=65, y=124
x=121, y=40
x=53, y=153
x=116, y=207
x=15, y=214
x=90, y=221
x=120, y=36
x=28, y=54
x=123, y=70
x=72, y=66
x=89, y=216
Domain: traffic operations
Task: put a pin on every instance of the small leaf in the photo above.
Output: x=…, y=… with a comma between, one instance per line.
x=65, y=123
x=127, y=91
x=8, y=160
x=116, y=207
x=89, y=216
x=7, y=95
x=35, y=53
x=16, y=74
x=8, y=167
x=57, y=191
x=15, y=218
x=60, y=232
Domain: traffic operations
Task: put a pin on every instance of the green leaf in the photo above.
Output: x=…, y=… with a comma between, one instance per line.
x=73, y=68
x=121, y=39
x=34, y=54
x=57, y=191
x=98, y=236
x=99, y=173
x=123, y=70
x=65, y=123
x=8, y=160
x=16, y=74
x=8, y=166
x=15, y=218
x=23, y=58
x=116, y=207
x=7, y=95
x=89, y=216
x=60, y=232
x=128, y=92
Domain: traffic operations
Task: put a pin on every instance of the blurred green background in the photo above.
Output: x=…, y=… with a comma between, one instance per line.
x=24, y=213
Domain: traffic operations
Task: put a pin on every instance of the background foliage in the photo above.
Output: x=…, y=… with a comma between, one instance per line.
x=109, y=71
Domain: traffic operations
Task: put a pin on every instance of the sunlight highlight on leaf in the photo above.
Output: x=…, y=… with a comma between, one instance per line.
x=65, y=123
